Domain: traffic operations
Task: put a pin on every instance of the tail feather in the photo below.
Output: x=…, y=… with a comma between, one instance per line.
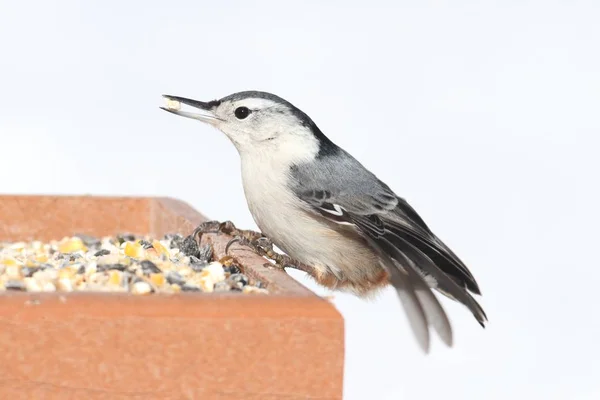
x=435, y=249
x=445, y=284
x=414, y=293
x=413, y=308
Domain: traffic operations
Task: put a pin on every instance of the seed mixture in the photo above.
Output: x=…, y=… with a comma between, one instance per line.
x=125, y=263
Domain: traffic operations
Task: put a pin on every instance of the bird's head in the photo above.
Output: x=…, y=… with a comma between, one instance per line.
x=257, y=123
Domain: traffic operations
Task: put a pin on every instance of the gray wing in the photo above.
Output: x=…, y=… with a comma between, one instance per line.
x=421, y=306
x=347, y=193
x=362, y=192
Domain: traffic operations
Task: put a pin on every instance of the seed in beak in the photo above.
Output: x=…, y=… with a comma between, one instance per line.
x=173, y=105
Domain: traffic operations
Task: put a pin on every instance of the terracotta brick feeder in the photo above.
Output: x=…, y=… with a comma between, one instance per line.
x=286, y=343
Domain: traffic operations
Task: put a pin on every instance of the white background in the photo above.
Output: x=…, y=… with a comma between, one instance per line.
x=484, y=115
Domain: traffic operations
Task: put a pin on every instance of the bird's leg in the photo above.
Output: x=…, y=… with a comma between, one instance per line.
x=264, y=247
x=255, y=240
x=283, y=261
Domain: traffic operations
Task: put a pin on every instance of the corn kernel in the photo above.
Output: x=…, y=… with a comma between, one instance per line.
x=176, y=288
x=42, y=258
x=160, y=249
x=157, y=279
x=9, y=261
x=72, y=245
x=115, y=277
x=135, y=250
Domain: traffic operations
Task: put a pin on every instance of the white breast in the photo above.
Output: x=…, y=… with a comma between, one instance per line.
x=275, y=209
x=281, y=217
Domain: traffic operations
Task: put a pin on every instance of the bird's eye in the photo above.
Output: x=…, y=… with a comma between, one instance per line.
x=241, y=112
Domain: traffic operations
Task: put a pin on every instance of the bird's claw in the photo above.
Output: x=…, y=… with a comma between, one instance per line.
x=261, y=245
x=207, y=227
x=265, y=246
x=226, y=227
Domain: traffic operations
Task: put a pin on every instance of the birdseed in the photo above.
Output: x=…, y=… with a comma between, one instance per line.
x=173, y=105
x=124, y=263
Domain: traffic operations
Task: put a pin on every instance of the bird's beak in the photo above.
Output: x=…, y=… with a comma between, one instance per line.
x=202, y=111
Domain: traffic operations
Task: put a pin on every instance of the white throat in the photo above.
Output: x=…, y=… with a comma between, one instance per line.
x=281, y=152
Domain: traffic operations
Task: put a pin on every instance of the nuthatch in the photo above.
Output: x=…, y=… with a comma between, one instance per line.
x=335, y=219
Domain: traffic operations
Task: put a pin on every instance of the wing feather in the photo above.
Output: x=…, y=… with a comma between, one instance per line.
x=393, y=227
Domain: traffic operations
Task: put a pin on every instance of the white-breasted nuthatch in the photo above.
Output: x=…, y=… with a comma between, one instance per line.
x=335, y=219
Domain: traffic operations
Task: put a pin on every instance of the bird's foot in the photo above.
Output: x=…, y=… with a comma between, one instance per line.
x=226, y=227
x=261, y=245
x=264, y=247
